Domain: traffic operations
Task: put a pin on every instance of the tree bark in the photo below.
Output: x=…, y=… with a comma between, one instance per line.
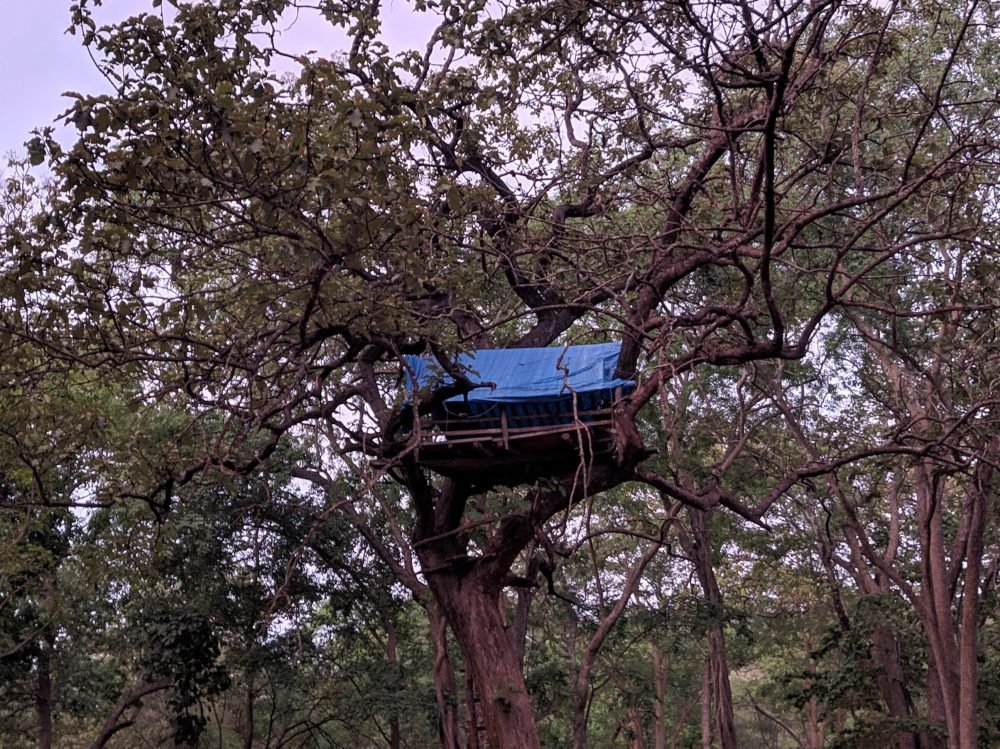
x=891, y=682
x=392, y=658
x=525, y=595
x=720, y=696
x=470, y=600
x=978, y=502
x=467, y=588
x=474, y=728
x=250, y=701
x=706, y=706
x=661, y=677
x=445, y=690
x=43, y=691
x=953, y=639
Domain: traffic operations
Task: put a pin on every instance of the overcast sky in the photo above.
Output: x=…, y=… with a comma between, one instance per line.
x=39, y=60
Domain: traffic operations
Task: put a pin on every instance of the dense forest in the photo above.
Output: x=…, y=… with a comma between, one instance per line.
x=215, y=532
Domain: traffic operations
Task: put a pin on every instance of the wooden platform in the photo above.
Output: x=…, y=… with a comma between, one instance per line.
x=503, y=451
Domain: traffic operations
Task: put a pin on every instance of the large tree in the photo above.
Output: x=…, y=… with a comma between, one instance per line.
x=709, y=183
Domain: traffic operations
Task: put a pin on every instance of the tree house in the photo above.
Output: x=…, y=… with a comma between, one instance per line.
x=529, y=412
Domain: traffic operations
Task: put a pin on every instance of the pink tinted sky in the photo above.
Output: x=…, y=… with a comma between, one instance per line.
x=39, y=60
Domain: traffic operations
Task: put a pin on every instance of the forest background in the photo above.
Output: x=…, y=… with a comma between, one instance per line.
x=216, y=262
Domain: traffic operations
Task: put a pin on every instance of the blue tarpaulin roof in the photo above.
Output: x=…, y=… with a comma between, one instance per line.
x=528, y=374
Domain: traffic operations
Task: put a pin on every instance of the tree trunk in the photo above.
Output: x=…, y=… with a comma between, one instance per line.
x=470, y=600
x=954, y=644
x=392, y=659
x=722, y=694
x=250, y=701
x=445, y=690
x=474, y=727
x=719, y=695
x=661, y=677
x=978, y=503
x=936, y=609
x=706, y=706
x=582, y=680
x=935, y=709
x=525, y=595
x=634, y=727
x=891, y=682
x=815, y=725
x=43, y=692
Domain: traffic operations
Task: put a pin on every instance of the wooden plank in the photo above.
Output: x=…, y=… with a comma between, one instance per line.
x=505, y=436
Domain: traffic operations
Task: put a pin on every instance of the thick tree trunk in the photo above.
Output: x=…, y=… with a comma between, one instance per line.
x=467, y=588
x=470, y=600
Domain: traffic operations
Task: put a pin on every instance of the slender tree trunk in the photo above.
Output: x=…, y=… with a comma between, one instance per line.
x=935, y=708
x=719, y=694
x=936, y=598
x=954, y=645
x=948, y=601
x=706, y=706
x=890, y=678
x=638, y=740
x=392, y=658
x=250, y=700
x=661, y=677
x=722, y=695
x=815, y=726
x=582, y=682
x=119, y=720
x=43, y=692
x=525, y=596
x=680, y=720
x=445, y=691
x=979, y=503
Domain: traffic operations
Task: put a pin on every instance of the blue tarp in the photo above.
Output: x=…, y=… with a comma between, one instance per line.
x=528, y=382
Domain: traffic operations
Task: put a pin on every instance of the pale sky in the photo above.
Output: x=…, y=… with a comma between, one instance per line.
x=39, y=60
x=38, y=63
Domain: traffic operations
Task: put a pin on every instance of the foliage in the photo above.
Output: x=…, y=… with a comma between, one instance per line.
x=211, y=525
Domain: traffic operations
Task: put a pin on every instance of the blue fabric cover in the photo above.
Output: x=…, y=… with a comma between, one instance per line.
x=536, y=386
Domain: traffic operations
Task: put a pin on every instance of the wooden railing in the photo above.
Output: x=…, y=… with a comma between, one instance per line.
x=507, y=427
